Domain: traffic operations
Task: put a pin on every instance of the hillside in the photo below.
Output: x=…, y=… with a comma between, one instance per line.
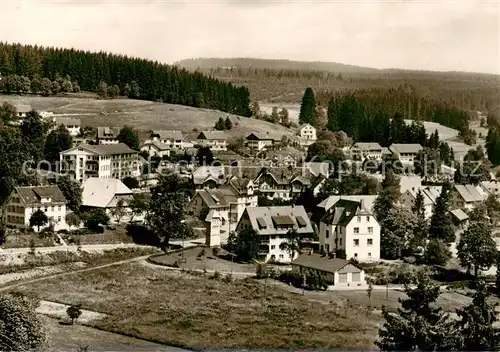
x=204, y=63
x=145, y=115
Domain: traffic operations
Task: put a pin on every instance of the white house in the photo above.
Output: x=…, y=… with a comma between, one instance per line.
x=350, y=226
x=22, y=110
x=272, y=224
x=173, y=139
x=155, y=148
x=24, y=201
x=429, y=193
x=72, y=125
x=335, y=271
x=222, y=208
x=406, y=153
x=258, y=141
x=307, y=135
x=492, y=187
x=105, y=194
x=107, y=135
x=102, y=161
x=466, y=197
x=215, y=140
x=362, y=151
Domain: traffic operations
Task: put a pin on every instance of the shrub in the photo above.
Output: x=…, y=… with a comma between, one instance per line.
x=215, y=251
x=228, y=278
x=74, y=312
x=215, y=276
x=202, y=253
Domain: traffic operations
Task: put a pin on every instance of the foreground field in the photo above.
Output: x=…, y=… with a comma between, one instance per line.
x=196, y=312
x=144, y=115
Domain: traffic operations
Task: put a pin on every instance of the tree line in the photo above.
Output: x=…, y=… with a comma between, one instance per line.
x=153, y=80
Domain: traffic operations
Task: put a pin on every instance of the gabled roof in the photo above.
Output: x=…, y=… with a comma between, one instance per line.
x=157, y=144
x=33, y=195
x=22, y=108
x=459, y=214
x=254, y=136
x=367, y=146
x=286, y=175
x=326, y=264
x=330, y=201
x=212, y=135
x=105, y=149
x=108, y=132
x=469, y=193
x=66, y=121
x=399, y=148
x=271, y=217
x=217, y=198
x=175, y=135
x=99, y=192
x=305, y=125
x=316, y=169
x=343, y=211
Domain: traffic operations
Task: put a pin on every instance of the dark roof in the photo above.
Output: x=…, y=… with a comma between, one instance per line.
x=107, y=132
x=211, y=135
x=343, y=211
x=33, y=195
x=258, y=137
x=318, y=262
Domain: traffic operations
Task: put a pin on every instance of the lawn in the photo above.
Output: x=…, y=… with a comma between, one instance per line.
x=70, y=338
x=24, y=241
x=108, y=237
x=202, y=258
x=196, y=312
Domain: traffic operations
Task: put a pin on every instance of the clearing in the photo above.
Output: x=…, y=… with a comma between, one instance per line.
x=193, y=311
x=145, y=115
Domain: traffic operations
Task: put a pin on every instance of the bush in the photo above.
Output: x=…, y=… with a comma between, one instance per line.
x=74, y=312
x=215, y=251
x=202, y=253
x=292, y=277
x=215, y=276
x=228, y=278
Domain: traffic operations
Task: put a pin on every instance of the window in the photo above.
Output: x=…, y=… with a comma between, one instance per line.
x=359, y=218
x=356, y=230
x=370, y=230
x=273, y=246
x=356, y=243
x=367, y=219
x=369, y=255
x=369, y=242
x=59, y=208
x=327, y=234
x=281, y=256
x=355, y=255
x=340, y=242
x=58, y=218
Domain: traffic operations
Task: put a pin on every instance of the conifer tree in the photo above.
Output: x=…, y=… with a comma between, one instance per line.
x=220, y=125
x=419, y=323
x=388, y=197
x=420, y=231
x=441, y=226
x=308, y=108
x=228, y=124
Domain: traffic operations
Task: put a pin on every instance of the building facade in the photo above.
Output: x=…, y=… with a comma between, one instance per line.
x=307, y=135
x=173, y=139
x=215, y=140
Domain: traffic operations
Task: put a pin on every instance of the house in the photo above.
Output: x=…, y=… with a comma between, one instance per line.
x=215, y=140
x=335, y=271
x=466, y=197
x=430, y=194
x=22, y=110
x=328, y=203
x=222, y=208
x=205, y=177
x=351, y=226
x=406, y=153
x=72, y=125
x=307, y=135
x=155, y=148
x=102, y=161
x=24, y=201
x=282, y=183
x=107, y=135
x=362, y=151
x=173, y=139
x=317, y=183
x=258, y=141
x=460, y=219
x=272, y=224
x=492, y=187
x=105, y=194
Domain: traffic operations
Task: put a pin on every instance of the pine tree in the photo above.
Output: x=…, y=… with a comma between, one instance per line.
x=419, y=323
x=220, y=125
x=308, y=108
x=388, y=197
x=228, y=124
x=475, y=328
x=441, y=226
x=102, y=89
x=420, y=231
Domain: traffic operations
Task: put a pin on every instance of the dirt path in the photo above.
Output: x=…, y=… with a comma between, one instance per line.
x=8, y=287
x=58, y=310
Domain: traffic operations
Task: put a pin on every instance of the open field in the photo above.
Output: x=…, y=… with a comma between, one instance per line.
x=24, y=240
x=193, y=311
x=69, y=338
x=145, y=115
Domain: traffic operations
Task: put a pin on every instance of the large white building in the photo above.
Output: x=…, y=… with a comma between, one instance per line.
x=102, y=161
x=155, y=148
x=24, y=201
x=351, y=226
x=307, y=135
x=272, y=224
x=215, y=140
x=406, y=153
x=362, y=151
x=72, y=125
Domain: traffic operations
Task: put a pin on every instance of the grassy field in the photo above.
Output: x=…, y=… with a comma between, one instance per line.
x=197, y=312
x=23, y=241
x=145, y=115
x=108, y=237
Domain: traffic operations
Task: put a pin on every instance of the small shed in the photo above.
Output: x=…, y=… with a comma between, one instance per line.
x=460, y=218
x=335, y=271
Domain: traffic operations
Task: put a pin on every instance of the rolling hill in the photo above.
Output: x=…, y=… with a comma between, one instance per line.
x=145, y=115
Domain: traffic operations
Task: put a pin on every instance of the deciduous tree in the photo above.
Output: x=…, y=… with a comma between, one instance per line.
x=130, y=137
x=72, y=192
x=38, y=219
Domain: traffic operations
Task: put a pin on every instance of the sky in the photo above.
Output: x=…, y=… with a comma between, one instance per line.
x=429, y=35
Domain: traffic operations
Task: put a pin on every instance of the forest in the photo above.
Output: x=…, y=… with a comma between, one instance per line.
x=152, y=80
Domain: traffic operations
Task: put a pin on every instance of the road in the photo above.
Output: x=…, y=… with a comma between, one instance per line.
x=87, y=247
